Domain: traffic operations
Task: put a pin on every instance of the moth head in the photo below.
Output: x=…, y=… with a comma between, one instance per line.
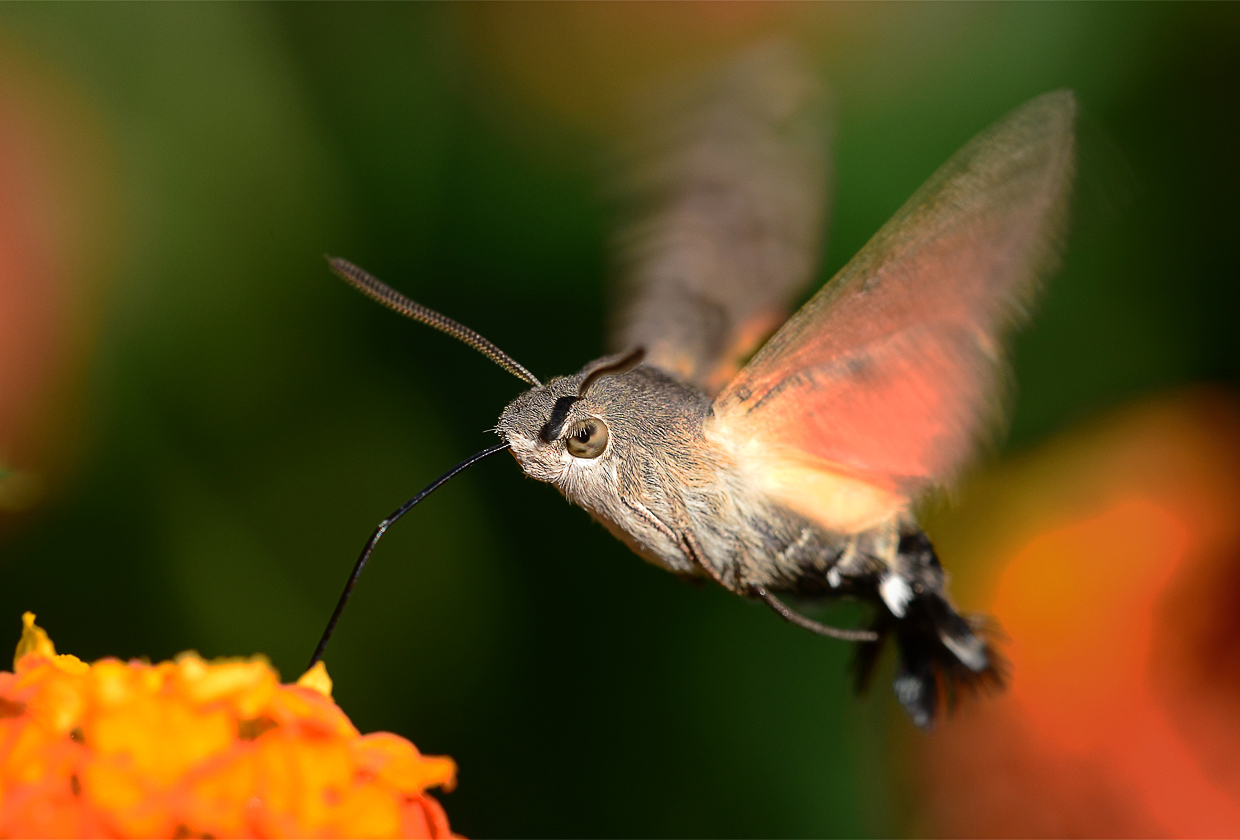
x=568, y=430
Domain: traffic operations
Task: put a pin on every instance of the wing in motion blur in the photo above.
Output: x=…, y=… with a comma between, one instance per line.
x=878, y=388
x=725, y=189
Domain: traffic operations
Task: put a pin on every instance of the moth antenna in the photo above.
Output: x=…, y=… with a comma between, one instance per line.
x=377, y=290
x=378, y=532
x=624, y=364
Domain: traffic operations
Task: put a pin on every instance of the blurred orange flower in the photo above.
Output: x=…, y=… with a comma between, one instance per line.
x=59, y=228
x=191, y=748
x=1111, y=557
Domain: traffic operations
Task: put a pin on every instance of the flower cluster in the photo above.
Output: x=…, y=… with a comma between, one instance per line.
x=190, y=748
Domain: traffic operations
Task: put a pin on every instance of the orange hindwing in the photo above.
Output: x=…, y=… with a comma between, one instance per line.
x=879, y=386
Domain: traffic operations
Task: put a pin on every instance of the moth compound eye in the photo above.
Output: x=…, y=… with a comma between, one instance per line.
x=587, y=438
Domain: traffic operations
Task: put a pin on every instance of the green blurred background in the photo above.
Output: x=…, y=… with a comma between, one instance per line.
x=227, y=421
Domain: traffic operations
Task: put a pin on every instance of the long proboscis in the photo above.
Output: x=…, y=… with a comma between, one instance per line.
x=377, y=290
x=378, y=532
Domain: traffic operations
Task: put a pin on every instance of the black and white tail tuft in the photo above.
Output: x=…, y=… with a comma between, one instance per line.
x=942, y=654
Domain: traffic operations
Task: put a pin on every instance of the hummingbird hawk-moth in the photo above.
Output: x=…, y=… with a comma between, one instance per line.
x=797, y=471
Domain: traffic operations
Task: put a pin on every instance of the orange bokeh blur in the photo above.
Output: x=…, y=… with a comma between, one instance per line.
x=190, y=748
x=588, y=64
x=1111, y=558
x=58, y=211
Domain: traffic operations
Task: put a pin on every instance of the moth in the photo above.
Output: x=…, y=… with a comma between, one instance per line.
x=796, y=472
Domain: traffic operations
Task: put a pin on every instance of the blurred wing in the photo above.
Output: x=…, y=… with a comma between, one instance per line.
x=879, y=386
x=725, y=190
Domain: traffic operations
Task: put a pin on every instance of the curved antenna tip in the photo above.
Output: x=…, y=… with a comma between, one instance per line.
x=377, y=290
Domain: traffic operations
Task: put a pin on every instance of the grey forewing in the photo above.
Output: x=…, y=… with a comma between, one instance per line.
x=724, y=183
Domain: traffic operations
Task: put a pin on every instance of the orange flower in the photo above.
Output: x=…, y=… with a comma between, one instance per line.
x=1111, y=557
x=190, y=748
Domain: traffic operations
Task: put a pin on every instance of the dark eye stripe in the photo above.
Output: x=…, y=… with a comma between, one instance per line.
x=559, y=414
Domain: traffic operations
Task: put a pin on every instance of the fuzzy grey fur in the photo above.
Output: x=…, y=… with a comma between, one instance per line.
x=661, y=486
x=679, y=501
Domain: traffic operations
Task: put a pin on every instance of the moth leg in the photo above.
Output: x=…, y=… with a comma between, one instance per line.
x=686, y=541
x=660, y=526
x=793, y=617
x=741, y=587
x=694, y=552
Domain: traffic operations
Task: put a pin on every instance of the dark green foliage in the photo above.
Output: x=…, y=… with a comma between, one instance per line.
x=252, y=418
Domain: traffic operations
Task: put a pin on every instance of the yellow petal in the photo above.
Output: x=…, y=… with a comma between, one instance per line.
x=34, y=640
x=317, y=679
x=248, y=683
x=69, y=663
x=195, y=748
